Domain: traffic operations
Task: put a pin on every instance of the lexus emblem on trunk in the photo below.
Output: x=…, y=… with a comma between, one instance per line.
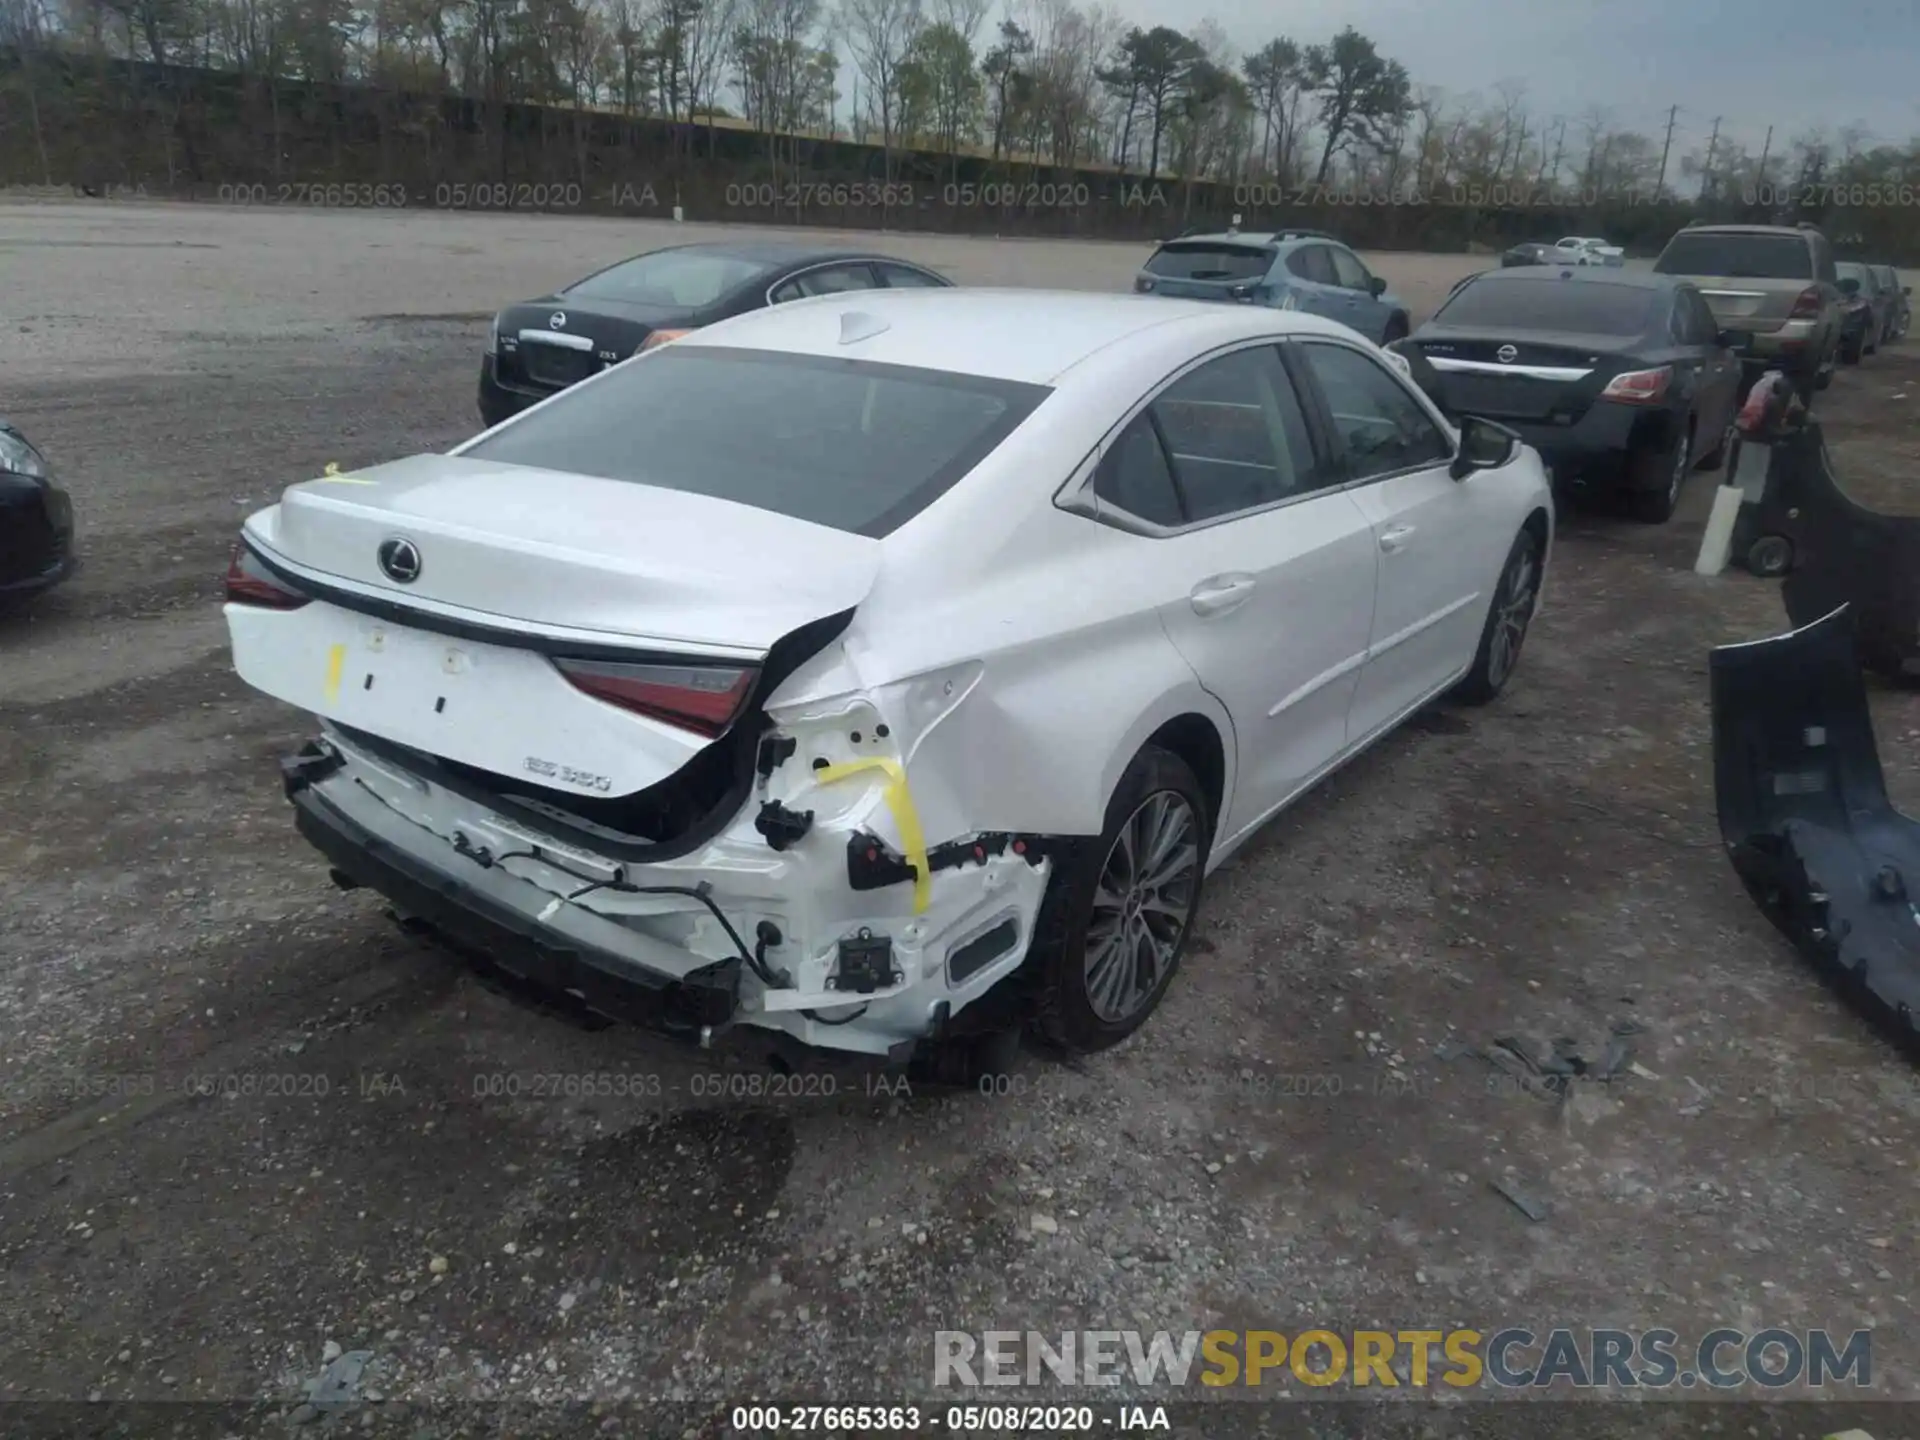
x=559, y=320
x=400, y=559
x=1506, y=354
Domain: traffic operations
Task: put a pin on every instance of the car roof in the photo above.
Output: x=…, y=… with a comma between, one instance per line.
x=1253, y=239
x=1583, y=275
x=1745, y=230
x=1027, y=336
x=770, y=253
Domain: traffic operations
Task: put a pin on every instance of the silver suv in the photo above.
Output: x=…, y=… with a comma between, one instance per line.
x=1774, y=287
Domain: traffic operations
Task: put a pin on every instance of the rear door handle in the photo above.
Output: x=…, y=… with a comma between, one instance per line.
x=1395, y=538
x=1221, y=593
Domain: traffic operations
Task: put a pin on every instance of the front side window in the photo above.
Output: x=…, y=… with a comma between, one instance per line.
x=850, y=444
x=1381, y=426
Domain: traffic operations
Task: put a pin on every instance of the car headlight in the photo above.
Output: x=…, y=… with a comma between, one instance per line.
x=17, y=457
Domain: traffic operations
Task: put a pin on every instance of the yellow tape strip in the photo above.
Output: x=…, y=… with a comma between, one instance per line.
x=336, y=662
x=334, y=477
x=900, y=801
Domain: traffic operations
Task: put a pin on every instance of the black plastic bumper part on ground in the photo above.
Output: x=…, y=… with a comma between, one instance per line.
x=457, y=912
x=1805, y=815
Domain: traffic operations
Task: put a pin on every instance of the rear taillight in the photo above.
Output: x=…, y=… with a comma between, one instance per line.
x=1639, y=387
x=1807, y=304
x=703, y=698
x=251, y=583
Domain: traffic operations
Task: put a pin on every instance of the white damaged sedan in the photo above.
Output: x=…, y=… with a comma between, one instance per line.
x=872, y=670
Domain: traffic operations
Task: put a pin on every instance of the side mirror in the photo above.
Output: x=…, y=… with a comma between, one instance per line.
x=1484, y=445
x=1849, y=287
x=1377, y=286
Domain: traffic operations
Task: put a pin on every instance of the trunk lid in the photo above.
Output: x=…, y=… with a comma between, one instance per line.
x=536, y=350
x=522, y=546
x=1739, y=303
x=1515, y=376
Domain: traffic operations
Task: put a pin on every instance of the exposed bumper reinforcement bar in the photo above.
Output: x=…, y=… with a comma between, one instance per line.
x=607, y=982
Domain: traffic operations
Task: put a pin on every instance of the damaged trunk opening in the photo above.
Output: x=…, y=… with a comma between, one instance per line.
x=1805, y=815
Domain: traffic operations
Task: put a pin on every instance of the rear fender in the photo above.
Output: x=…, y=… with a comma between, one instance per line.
x=1031, y=740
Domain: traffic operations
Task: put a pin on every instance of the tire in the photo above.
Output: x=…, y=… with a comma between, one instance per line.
x=1516, y=596
x=1657, y=477
x=1087, y=999
x=1717, y=457
x=1770, y=557
x=1852, y=351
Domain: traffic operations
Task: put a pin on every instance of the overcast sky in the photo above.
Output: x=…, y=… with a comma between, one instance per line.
x=1754, y=63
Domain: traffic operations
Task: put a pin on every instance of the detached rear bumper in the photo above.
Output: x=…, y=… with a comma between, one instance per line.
x=612, y=983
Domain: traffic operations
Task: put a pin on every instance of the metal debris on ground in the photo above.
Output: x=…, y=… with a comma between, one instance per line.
x=1533, y=1209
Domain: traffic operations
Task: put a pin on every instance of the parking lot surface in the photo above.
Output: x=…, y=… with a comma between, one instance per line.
x=242, y=1116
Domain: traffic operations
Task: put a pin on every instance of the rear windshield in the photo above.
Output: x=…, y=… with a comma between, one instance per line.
x=673, y=279
x=1574, y=306
x=1850, y=270
x=1210, y=260
x=857, y=446
x=1737, y=256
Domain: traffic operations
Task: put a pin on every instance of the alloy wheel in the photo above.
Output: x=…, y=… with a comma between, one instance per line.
x=1683, y=462
x=1142, y=905
x=1512, y=618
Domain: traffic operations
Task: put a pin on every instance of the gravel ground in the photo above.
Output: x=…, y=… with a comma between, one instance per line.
x=1284, y=1146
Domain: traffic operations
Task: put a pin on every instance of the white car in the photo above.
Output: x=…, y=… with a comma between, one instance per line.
x=1585, y=250
x=818, y=674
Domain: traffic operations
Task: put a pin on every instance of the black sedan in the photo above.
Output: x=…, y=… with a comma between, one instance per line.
x=539, y=346
x=1619, y=378
x=1528, y=252
x=36, y=521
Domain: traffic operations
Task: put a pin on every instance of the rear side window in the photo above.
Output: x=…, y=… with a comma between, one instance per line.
x=673, y=279
x=1210, y=260
x=905, y=277
x=849, y=444
x=1313, y=262
x=1580, y=306
x=1236, y=435
x=1135, y=477
x=1737, y=255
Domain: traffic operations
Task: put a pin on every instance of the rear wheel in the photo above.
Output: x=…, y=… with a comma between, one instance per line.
x=1852, y=350
x=1515, y=598
x=1656, y=478
x=1717, y=458
x=1117, y=914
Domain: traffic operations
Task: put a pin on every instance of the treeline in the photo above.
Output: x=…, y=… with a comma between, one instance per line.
x=1057, y=119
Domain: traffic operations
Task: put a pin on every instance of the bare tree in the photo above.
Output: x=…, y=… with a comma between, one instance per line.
x=880, y=36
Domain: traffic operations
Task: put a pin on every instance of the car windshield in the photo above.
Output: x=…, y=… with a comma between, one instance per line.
x=1210, y=260
x=850, y=444
x=1568, y=306
x=677, y=279
x=1737, y=256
